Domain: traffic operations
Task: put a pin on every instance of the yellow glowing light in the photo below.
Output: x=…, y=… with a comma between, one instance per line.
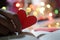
x=49, y=26
x=4, y=8
x=28, y=9
x=42, y=4
x=35, y=13
x=42, y=9
x=17, y=4
x=50, y=14
x=57, y=23
x=37, y=9
x=48, y=6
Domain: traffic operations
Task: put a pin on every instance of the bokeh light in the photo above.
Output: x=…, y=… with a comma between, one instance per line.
x=4, y=8
x=49, y=25
x=48, y=6
x=37, y=9
x=35, y=13
x=50, y=14
x=28, y=9
x=50, y=17
x=56, y=11
x=42, y=9
x=17, y=4
x=57, y=23
x=42, y=4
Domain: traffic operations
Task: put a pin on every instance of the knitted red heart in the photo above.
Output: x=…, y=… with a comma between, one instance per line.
x=24, y=20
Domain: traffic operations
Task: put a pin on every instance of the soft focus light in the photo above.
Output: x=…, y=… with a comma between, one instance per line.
x=42, y=4
x=28, y=9
x=50, y=14
x=56, y=11
x=48, y=6
x=37, y=9
x=50, y=17
x=4, y=8
x=35, y=13
x=57, y=23
x=49, y=26
x=42, y=9
x=17, y=4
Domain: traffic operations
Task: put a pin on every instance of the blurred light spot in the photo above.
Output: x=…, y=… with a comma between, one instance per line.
x=4, y=8
x=56, y=11
x=57, y=23
x=42, y=9
x=49, y=26
x=37, y=9
x=17, y=4
x=28, y=9
x=35, y=13
x=50, y=14
x=42, y=4
x=48, y=6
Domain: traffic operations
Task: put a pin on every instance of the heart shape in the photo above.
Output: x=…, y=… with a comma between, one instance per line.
x=24, y=20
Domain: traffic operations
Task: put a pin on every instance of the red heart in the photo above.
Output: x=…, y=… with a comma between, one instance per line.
x=24, y=20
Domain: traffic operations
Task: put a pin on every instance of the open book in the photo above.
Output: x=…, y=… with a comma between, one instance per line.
x=39, y=33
